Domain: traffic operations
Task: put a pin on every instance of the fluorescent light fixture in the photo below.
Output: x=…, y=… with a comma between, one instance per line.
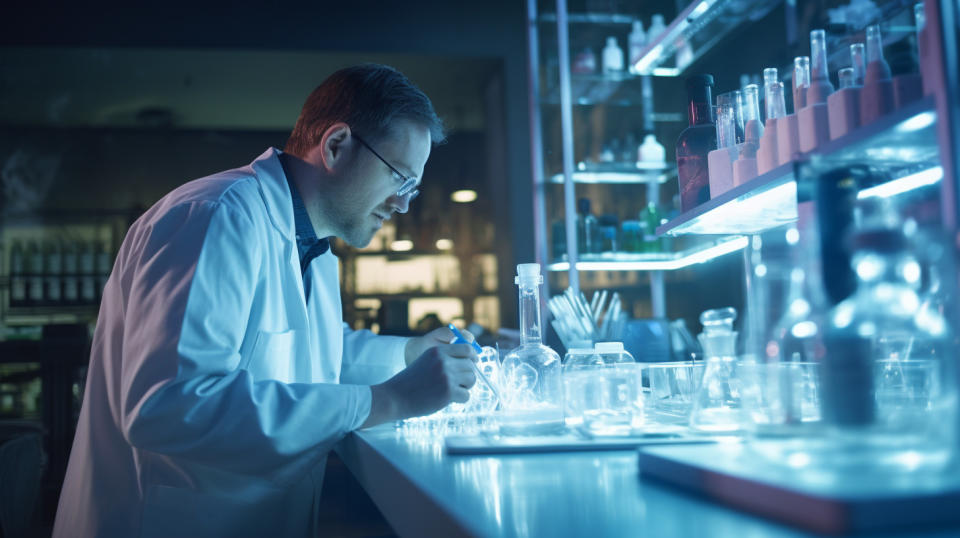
x=750, y=213
x=678, y=261
x=666, y=72
x=444, y=244
x=700, y=9
x=464, y=196
x=918, y=122
x=642, y=175
x=643, y=64
x=402, y=245
x=926, y=177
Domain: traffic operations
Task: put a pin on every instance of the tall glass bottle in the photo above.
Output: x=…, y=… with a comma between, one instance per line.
x=888, y=379
x=695, y=142
x=588, y=229
x=533, y=387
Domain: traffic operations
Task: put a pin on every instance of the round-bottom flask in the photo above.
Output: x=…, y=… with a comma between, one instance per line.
x=532, y=383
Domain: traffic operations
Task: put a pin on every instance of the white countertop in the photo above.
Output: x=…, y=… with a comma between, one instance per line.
x=422, y=491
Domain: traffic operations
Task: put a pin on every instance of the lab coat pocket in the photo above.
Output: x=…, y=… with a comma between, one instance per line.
x=272, y=356
x=170, y=511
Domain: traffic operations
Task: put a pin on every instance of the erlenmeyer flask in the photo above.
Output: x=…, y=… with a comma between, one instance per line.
x=716, y=409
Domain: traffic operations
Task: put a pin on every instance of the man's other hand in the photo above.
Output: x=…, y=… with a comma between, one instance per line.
x=417, y=346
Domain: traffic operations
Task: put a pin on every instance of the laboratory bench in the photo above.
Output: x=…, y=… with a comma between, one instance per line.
x=424, y=491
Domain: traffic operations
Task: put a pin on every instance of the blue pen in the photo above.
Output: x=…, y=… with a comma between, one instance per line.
x=459, y=339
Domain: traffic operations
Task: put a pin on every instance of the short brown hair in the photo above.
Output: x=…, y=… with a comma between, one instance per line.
x=368, y=98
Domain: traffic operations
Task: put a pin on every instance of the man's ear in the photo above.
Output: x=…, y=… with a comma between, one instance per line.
x=333, y=146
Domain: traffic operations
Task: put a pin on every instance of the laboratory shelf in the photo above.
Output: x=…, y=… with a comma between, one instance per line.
x=797, y=490
x=655, y=261
x=903, y=144
x=696, y=30
x=590, y=18
x=620, y=173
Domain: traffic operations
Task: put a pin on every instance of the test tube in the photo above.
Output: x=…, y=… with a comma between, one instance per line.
x=733, y=100
x=726, y=127
x=818, y=55
x=752, y=127
x=858, y=63
x=801, y=80
x=769, y=81
x=776, y=106
x=847, y=78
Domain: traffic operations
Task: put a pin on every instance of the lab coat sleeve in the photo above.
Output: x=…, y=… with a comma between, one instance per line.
x=189, y=294
x=369, y=359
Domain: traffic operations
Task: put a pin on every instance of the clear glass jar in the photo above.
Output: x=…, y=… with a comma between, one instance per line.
x=532, y=378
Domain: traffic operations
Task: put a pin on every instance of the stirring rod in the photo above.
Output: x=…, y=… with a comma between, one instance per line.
x=459, y=339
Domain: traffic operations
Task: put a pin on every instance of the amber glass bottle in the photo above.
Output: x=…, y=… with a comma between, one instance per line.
x=698, y=139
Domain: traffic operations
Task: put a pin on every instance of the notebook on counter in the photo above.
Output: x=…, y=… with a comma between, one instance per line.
x=820, y=500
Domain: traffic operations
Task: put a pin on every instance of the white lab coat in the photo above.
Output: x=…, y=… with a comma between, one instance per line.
x=215, y=389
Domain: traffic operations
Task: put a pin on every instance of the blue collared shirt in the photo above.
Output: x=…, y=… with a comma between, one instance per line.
x=309, y=246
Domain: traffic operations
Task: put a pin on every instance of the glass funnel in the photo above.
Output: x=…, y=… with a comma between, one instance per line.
x=716, y=408
x=532, y=383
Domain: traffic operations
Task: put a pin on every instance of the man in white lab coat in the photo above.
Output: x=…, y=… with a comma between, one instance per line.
x=221, y=373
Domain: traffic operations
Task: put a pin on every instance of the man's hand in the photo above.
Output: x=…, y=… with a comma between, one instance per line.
x=417, y=346
x=440, y=375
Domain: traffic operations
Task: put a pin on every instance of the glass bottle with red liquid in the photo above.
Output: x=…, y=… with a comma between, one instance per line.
x=695, y=142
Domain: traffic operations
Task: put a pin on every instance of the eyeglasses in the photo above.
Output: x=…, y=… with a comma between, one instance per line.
x=408, y=185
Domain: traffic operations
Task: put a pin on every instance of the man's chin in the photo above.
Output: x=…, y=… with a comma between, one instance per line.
x=356, y=241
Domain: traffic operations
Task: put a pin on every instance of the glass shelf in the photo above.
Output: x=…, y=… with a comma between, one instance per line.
x=620, y=173
x=903, y=144
x=655, y=261
x=695, y=31
x=590, y=18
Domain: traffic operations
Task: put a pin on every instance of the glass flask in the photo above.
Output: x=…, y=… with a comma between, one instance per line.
x=888, y=378
x=717, y=406
x=532, y=383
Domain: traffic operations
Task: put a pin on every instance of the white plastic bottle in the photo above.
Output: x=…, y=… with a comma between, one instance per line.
x=635, y=43
x=612, y=56
x=657, y=27
x=651, y=152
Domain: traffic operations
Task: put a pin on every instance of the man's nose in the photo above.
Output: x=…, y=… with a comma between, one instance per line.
x=400, y=204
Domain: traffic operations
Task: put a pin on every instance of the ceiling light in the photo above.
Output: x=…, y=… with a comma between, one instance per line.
x=401, y=245
x=464, y=196
x=444, y=244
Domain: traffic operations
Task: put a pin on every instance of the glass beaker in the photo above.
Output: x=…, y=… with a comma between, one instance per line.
x=673, y=387
x=532, y=383
x=717, y=407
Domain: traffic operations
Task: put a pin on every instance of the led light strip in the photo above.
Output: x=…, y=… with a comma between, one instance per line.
x=930, y=176
x=683, y=260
